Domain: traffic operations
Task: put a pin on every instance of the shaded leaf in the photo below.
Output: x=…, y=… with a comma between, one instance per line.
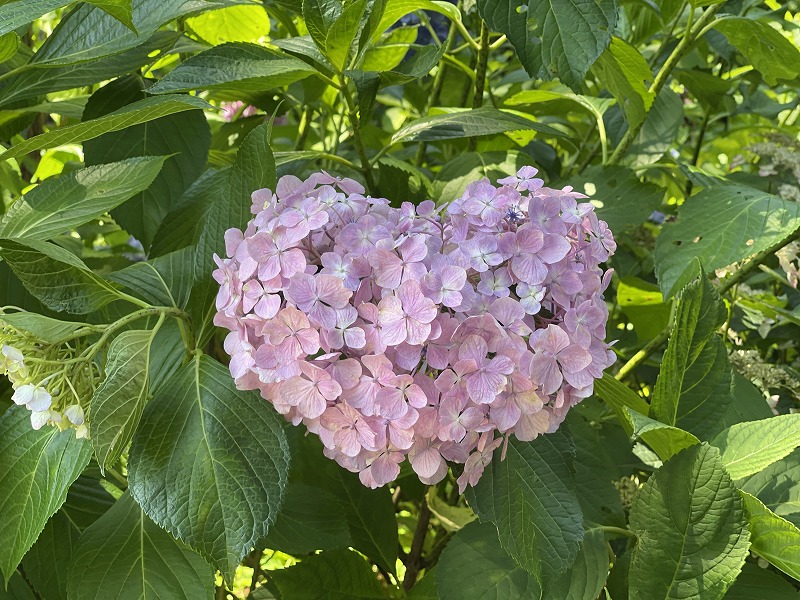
x=773, y=538
x=200, y=433
x=690, y=525
x=36, y=469
x=766, y=49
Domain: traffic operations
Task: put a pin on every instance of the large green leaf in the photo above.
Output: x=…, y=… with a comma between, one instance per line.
x=165, y=280
x=747, y=448
x=312, y=518
x=773, y=537
x=643, y=304
x=764, y=46
x=619, y=396
x=124, y=555
x=235, y=67
x=32, y=80
x=467, y=123
x=369, y=513
x=625, y=73
x=18, y=589
x=332, y=575
x=63, y=203
x=396, y=9
x=58, y=278
x=530, y=497
x=455, y=175
x=87, y=33
x=474, y=566
x=695, y=384
x=587, y=577
x=209, y=463
x=184, y=137
x=118, y=403
x=46, y=563
x=554, y=39
x=778, y=487
x=341, y=40
x=319, y=16
x=755, y=583
x=691, y=529
x=36, y=469
x=15, y=14
x=721, y=226
x=142, y=111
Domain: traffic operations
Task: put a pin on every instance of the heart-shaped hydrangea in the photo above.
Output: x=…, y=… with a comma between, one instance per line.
x=420, y=331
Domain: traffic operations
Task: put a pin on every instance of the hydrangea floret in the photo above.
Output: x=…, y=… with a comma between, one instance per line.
x=425, y=332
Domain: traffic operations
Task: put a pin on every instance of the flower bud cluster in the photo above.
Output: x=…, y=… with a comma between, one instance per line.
x=48, y=379
x=425, y=332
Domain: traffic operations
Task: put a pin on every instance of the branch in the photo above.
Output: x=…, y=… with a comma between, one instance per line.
x=415, y=554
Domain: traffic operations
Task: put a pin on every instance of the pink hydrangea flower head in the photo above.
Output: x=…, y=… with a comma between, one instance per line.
x=423, y=333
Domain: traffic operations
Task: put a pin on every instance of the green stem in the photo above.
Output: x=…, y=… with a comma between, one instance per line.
x=480, y=76
x=417, y=544
x=693, y=30
x=697, y=148
x=617, y=531
x=122, y=483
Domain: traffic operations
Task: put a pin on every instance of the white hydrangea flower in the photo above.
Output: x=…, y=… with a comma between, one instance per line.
x=35, y=397
x=39, y=418
x=81, y=432
x=11, y=360
x=75, y=414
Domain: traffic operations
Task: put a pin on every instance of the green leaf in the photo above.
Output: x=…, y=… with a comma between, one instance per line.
x=9, y=42
x=695, y=384
x=118, y=403
x=36, y=469
x=31, y=80
x=474, y=566
x=201, y=433
x=62, y=203
x=164, y=281
x=643, y=304
x=319, y=16
x=341, y=39
x=620, y=198
x=234, y=67
x=554, y=39
x=243, y=23
x=625, y=73
x=46, y=563
x=755, y=583
x=121, y=10
x=452, y=518
x=467, y=123
x=87, y=33
x=586, y=578
x=665, y=440
x=14, y=15
x=778, y=487
x=530, y=496
x=620, y=397
x=312, y=518
x=690, y=525
x=773, y=538
x=45, y=328
x=370, y=513
x=18, y=589
x=142, y=111
x=764, y=46
x=709, y=90
x=747, y=448
x=721, y=226
x=184, y=137
x=595, y=474
x=57, y=277
x=124, y=555
x=332, y=575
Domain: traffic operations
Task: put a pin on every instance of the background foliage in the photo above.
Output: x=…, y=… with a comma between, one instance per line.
x=134, y=132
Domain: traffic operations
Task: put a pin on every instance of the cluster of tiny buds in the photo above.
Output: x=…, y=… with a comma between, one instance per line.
x=425, y=332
